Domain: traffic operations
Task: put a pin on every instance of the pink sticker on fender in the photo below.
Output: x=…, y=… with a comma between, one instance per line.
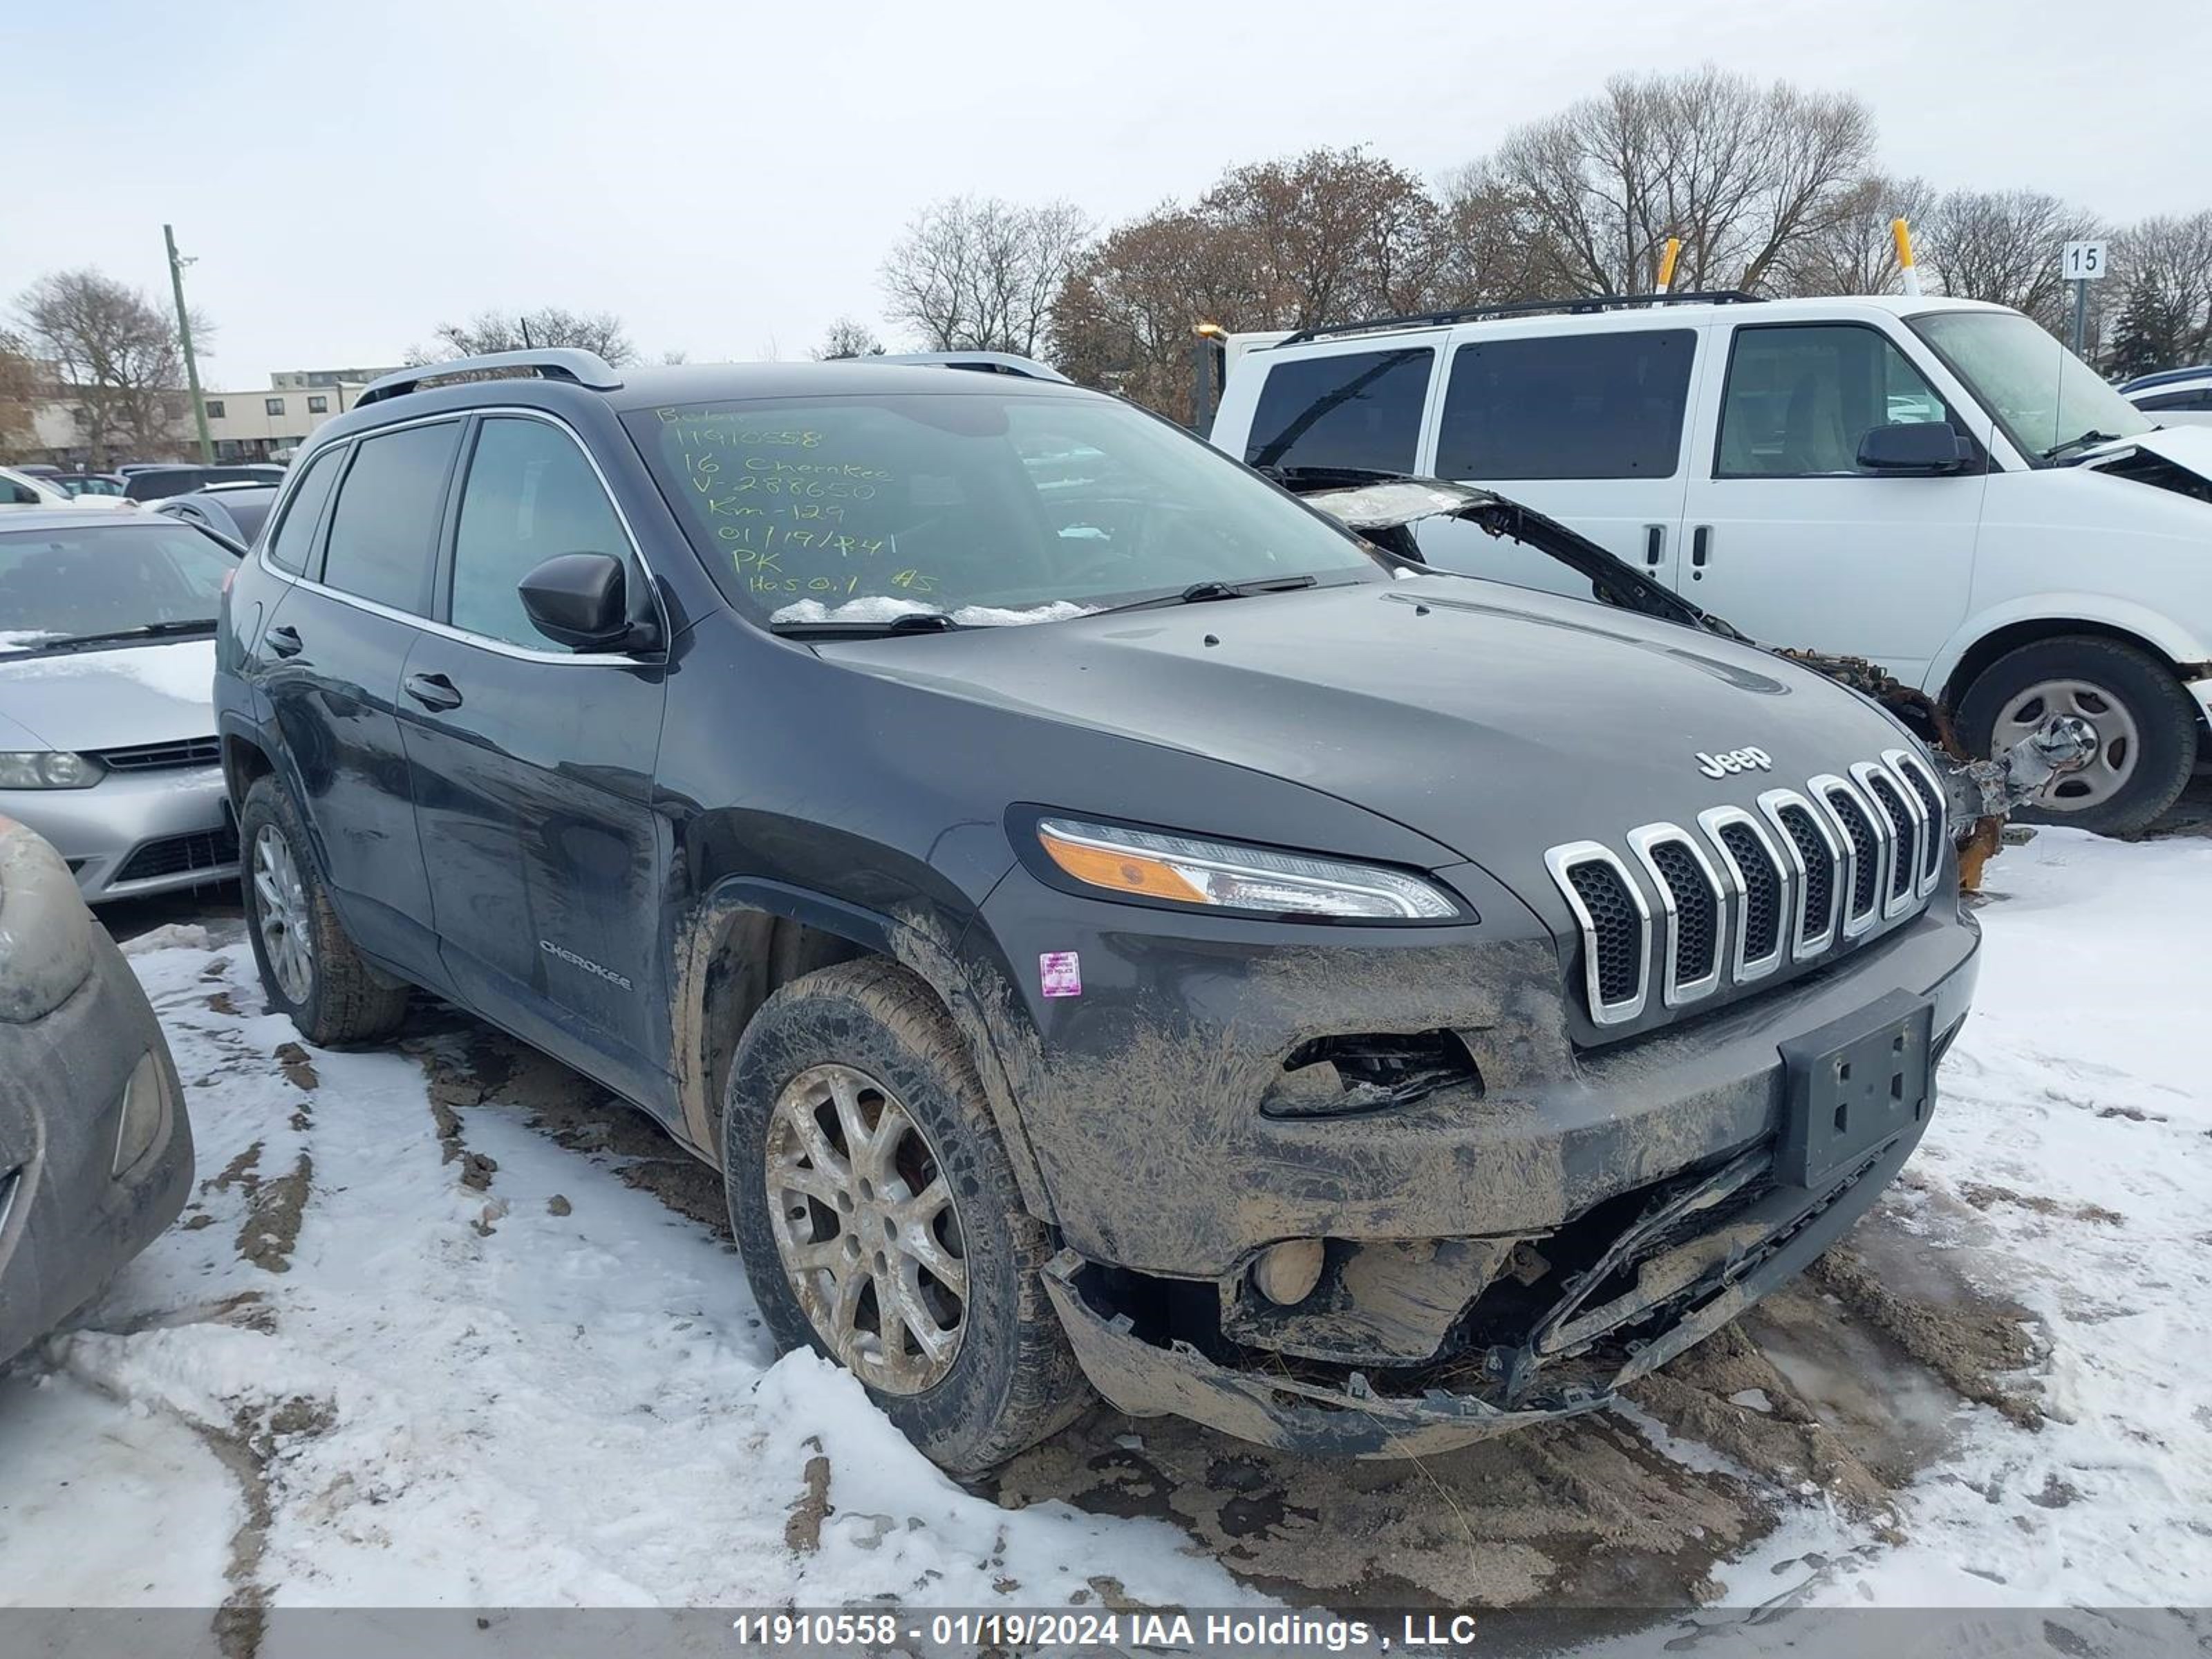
x=1062, y=972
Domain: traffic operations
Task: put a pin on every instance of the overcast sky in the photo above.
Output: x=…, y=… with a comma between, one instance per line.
x=727, y=178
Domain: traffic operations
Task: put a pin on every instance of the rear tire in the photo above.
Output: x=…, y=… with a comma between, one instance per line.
x=309, y=966
x=866, y=1043
x=2146, y=726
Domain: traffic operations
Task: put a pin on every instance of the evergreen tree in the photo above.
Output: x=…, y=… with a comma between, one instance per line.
x=2146, y=334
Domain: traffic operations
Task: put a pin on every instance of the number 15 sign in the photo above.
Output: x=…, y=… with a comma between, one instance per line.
x=2084, y=262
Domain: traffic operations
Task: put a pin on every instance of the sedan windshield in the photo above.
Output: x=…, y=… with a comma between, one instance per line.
x=2049, y=402
x=975, y=509
x=60, y=589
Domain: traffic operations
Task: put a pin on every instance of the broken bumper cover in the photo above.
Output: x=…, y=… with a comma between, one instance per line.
x=1776, y=1238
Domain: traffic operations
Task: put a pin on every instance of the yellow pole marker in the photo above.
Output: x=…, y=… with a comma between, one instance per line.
x=1667, y=263
x=1902, y=235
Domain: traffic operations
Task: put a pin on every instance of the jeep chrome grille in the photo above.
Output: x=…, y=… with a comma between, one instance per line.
x=1733, y=899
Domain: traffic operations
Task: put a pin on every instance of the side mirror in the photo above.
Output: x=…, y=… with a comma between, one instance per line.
x=581, y=600
x=1928, y=448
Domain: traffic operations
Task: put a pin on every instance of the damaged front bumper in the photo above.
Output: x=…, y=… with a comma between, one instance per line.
x=1576, y=1359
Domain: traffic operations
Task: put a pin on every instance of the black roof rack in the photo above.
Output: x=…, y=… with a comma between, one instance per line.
x=1720, y=297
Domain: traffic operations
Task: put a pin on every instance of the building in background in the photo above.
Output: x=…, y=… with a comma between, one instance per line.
x=271, y=421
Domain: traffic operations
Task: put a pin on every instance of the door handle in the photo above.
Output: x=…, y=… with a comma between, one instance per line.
x=1701, y=544
x=1655, y=545
x=432, y=690
x=284, y=641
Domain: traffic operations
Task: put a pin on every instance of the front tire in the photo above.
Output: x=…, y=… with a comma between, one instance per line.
x=879, y=1219
x=309, y=966
x=2146, y=726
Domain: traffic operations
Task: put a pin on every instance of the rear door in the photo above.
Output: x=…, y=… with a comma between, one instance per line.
x=1795, y=543
x=531, y=771
x=329, y=662
x=1591, y=428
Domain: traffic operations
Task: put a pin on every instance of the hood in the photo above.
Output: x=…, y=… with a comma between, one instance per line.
x=1496, y=720
x=112, y=699
x=2186, y=448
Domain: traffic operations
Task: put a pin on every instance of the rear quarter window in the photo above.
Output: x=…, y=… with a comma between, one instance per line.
x=289, y=547
x=1567, y=406
x=384, y=528
x=1353, y=409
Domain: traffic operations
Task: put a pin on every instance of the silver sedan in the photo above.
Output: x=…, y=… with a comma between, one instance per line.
x=107, y=744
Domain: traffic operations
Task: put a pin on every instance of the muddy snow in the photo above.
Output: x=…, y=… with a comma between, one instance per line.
x=443, y=1326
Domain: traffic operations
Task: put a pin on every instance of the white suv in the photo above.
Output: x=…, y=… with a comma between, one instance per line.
x=1935, y=484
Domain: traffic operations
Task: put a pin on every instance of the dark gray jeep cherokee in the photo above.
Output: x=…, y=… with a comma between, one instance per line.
x=1113, y=927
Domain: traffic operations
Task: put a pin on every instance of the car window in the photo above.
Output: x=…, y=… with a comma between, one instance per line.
x=2175, y=400
x=1357, y=410
x=19, y=495
x=996, y=508
x=531, y=495
x=288, y=548
x=1801, y=398
x=56, y=585
x=1567, y=406
x=385, y=522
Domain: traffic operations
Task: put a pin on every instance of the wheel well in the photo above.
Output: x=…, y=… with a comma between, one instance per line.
x=1995, y=644
x=749, y=955
x=242, y=763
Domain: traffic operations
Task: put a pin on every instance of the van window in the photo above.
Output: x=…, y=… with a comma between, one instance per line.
x=1800, y=396
x=1567, y=406
x=288, y=547
x=531, y=495
x=1361, y=409
x=386, y=523
x=2174, y=400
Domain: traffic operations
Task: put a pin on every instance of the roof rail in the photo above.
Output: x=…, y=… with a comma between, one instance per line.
x=571, y=363
x=2167, y=377
x=1589, y=302
x=985, y=362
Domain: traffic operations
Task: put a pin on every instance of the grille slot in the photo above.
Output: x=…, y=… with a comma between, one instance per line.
x=1863, y=898
x=1690, y=896
x=1615, y=924
x=162, y=757
x=1936, y=809
x=175, y=855
x=1819, y=856
x=1762, y=902
x=1897, y=820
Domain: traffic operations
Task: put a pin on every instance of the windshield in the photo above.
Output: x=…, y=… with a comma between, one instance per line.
x=991, y=510
x=2047, y=400
x=60, y=585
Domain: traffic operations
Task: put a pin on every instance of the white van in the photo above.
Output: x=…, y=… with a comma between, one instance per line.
x=1935, y=484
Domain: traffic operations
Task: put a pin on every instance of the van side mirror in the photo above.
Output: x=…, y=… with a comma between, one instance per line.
x=581, y=600
x=1928, y=447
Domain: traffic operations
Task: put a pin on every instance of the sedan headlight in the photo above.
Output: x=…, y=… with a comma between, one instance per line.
x=44, y=768
x=1224, y=875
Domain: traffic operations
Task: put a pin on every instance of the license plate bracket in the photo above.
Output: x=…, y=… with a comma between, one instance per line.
x=1854, y=1084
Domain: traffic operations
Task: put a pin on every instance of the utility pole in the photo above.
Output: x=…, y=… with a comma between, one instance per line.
x=184, y=335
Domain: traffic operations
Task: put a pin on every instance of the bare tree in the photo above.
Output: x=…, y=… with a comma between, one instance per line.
x=21, y=384
x=2004, y=246
x=2168, y=260
x=597, y=332
x=1740, y=173
x=972, y=274
x=115, y=354
x=1496, y=248
x=847, y=338
x=1857, y=251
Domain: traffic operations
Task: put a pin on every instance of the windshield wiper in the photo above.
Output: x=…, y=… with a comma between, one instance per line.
x=144, y=631
x=910, y=622
x=1202, y=592
x=2081, y=440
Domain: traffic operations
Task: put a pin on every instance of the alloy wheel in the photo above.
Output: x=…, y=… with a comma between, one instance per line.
x=280, y=904
x=2119, y=746
x=867, y=1229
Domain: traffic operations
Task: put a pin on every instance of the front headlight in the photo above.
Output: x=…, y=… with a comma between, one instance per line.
x=1224, y=875
x=46, y=768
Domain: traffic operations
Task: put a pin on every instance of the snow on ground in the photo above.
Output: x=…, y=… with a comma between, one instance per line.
x=358, y=1374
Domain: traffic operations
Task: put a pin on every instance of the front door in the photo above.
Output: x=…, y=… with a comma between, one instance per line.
x=1587, y=428
x=531, y=769
x=1795, y=543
